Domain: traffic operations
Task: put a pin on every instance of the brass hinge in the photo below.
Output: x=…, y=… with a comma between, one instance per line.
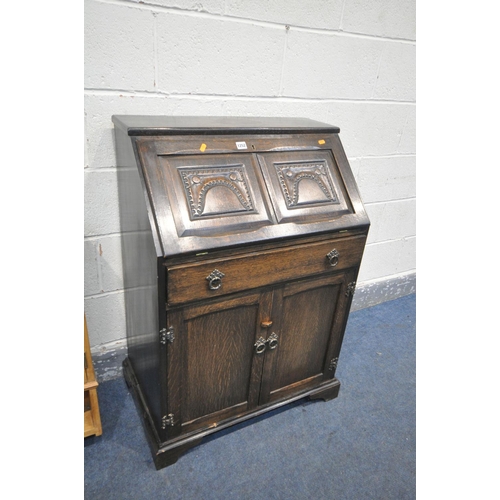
x=351, y=288
x=167, y=420
x=167, y=335
x=333, y=364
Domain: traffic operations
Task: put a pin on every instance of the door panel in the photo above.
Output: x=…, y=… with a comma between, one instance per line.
x=218, y=369
x=220, y=372
x=309, y=313
x=213, y=194
x=305, y=185
x=305, y=334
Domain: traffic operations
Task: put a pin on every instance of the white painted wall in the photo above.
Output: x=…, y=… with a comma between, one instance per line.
x=350, y=63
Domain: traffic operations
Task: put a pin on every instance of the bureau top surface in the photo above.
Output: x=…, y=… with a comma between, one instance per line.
x=136, y=125
x=216, y=182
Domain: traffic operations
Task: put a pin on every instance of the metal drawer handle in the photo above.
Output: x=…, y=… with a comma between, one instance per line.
x=333, y=257
x=260, y=345
x=215, y=279
x=272, y=341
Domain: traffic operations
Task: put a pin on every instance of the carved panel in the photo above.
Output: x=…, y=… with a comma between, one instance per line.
x=232, y=193
x=317, y=190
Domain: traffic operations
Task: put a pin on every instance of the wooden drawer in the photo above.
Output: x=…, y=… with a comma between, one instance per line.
x=187, y=283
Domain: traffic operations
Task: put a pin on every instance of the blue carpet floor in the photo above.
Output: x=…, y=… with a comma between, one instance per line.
x=360, y=445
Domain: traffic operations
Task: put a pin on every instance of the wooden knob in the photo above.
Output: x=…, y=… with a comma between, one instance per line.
x=266, y=324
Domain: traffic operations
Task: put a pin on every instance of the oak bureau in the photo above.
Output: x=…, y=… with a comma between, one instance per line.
x=241, y=242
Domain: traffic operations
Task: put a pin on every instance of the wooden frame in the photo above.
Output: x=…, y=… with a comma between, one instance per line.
x=91, y=415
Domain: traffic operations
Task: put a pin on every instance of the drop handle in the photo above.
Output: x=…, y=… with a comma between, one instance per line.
x=333, y=257
x=215, y=279
x=272, y=341
x=266, y=324
x=260, y=345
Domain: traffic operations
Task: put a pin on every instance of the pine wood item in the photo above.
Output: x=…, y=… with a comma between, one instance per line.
x=242, y=243
x=91, y=416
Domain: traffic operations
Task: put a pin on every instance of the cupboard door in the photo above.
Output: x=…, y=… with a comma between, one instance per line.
x=311, y=319
x=220, y=374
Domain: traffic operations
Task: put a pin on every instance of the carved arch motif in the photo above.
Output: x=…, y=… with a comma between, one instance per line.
x=199, y=181
x=290, y=176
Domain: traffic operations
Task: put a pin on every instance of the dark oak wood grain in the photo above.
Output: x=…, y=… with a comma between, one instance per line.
x=219, y=351
x=307, y=323
x=199, y=125
x=188, y=283
x=244, y=241
x=320, y=195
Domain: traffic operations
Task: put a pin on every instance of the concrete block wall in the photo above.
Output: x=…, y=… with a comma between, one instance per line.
x=350, y=63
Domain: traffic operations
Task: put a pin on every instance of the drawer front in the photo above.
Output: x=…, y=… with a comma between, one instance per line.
x=187, y=283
